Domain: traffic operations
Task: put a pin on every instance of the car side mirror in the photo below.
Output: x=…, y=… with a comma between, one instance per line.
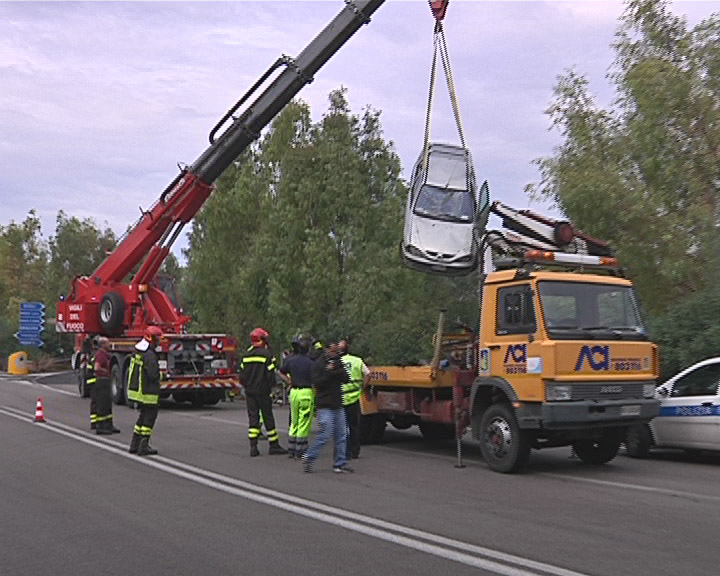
x=663, y=392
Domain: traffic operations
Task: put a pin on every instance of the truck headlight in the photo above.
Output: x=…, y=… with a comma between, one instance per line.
x=649, y=390
x=559, y=392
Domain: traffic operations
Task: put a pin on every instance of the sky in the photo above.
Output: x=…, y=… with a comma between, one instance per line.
x=99, y=101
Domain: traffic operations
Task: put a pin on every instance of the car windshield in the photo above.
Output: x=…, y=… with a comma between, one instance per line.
x=447, y=171
x=578, y=310
x=444, y=204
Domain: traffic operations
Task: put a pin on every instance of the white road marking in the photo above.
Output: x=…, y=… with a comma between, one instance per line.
x=436, y=545
x=628, y=486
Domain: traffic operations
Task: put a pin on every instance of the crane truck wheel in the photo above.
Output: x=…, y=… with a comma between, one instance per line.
x=112, y=309
x=116, y=385
x=83, y=388
x=504, y=445
x=600, y=450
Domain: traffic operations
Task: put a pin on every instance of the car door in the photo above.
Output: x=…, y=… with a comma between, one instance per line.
x=690, y=409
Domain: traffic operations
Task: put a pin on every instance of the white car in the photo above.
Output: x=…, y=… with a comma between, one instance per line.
x=445, y=212
x=689, y=413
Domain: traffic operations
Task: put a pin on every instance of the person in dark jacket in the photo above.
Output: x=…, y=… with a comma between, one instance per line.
x=297, y=372
x=102, y=389
x=257, y=371
x=328, y=377
x=144, y=389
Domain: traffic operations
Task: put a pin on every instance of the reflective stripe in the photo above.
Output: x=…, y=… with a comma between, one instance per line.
x=93, y=418
x=253, y=432
x=104, y=418
x=273, y=435
x=261, y=359
x=91, y=380
x=138, y=395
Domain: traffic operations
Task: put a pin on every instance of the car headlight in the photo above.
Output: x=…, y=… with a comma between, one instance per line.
x=649, y=390
x=559, y=392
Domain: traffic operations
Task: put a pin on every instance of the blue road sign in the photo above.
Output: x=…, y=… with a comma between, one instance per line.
x=29, y=339
x=36, y=321
x=32, y=306
x=32, y=314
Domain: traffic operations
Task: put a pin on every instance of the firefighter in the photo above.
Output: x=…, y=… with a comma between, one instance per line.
x=296, y=371
x=90, y=377
x=103, y=389
x=352, y=391
x=257, y=370
x=144, y=389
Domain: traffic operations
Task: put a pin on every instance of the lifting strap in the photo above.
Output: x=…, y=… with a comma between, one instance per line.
x=439, y=45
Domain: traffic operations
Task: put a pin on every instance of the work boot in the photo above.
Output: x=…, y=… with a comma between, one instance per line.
x=112, y=428
x=145, y=449
x=135, y=443
x=276, y=449
x=254, y=448
x=103, y=429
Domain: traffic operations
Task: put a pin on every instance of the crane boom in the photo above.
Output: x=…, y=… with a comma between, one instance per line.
x=102, y=303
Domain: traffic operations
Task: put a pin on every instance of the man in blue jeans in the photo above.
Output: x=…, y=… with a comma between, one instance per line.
x=328, y=377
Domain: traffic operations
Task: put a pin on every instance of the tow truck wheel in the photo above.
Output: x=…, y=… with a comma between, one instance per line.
x=116, y=383
x=436, y=432
x=372, y=428
x=598, y=451
x=638, y=441
x=504, y=445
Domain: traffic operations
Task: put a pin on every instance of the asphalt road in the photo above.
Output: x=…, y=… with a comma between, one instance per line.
x=75, y=503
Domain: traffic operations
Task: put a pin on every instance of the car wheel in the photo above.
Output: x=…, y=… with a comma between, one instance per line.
x=600, y=450
x=504, y=445
x=638, y=441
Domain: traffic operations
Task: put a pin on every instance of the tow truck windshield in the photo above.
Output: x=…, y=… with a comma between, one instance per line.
x=580, y=311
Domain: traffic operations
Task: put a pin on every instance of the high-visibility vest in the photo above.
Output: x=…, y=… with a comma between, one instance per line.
x=136, y=381
x=353, y=389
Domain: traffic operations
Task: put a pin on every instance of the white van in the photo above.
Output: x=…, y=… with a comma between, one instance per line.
x=446, y=214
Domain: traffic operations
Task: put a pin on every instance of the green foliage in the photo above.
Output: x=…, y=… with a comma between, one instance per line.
x=303, y=234
x=645, y=175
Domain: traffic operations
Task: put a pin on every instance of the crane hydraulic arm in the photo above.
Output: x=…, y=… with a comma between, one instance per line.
x=101, y=303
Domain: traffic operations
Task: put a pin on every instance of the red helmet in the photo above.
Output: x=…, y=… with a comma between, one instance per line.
x=153, y=332
x=259, y=336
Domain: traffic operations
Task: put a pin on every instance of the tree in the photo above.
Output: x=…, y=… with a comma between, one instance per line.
x=77, y=249
x=645, y=175
x=303, y=234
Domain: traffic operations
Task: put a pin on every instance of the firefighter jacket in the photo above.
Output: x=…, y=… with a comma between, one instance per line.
x=356, y=368
x=144, y=376
x=90, y=376
x=257, y=370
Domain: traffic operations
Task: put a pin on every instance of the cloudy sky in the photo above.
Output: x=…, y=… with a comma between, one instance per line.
x=99, y=101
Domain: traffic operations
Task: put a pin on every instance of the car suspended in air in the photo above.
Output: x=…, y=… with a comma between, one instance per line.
x=446, y=213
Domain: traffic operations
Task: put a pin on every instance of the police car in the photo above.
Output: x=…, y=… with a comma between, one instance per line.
x=689, y=413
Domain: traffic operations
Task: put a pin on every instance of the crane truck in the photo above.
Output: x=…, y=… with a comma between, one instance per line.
x=561, y=356
x=125, y=295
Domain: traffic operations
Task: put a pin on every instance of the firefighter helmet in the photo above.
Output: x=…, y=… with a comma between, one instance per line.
x=153, y=332
x=259, y=336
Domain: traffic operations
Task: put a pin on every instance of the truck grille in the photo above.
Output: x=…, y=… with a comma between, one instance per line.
x=606, y=390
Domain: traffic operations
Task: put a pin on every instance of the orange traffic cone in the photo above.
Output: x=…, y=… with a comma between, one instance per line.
x=39, y=410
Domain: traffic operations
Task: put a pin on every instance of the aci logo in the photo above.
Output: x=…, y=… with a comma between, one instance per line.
x=597, y=356
x=516, y=352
